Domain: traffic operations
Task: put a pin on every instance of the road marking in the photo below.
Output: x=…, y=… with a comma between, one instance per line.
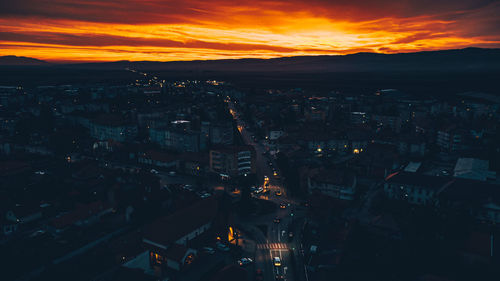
x=275, y=246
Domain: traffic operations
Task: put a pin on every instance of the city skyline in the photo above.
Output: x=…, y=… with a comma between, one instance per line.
x=66, y=31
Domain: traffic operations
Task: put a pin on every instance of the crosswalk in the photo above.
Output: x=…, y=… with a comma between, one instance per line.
x=272, y=246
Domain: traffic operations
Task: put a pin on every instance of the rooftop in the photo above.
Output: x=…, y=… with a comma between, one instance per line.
x=475, y=168
x=337, y=177
x=165, y=231
x=416, y=179
x=112, y=120
x=161, y=156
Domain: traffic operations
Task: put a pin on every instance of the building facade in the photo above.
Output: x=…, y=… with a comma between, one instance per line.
x=333, y=183
x=232, y=161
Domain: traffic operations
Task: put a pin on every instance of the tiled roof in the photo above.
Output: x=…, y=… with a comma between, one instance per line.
x=80, y=213
x=337, y=177
x=416, y=179
x=165, y=231
x=13, y=167
x=199, y=157
x=112, y=120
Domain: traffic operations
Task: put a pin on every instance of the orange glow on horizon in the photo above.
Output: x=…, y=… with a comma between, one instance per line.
x=227, y=31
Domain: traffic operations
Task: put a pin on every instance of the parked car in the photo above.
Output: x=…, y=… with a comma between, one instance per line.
x=245, y=261
x=282, y=206
x=208, y=250
x=277, y=220
x=222, y=247
x=153, y=171
x=37, y=233
x=203, y=194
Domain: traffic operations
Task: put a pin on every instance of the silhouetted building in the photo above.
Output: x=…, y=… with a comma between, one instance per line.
x=233, y=161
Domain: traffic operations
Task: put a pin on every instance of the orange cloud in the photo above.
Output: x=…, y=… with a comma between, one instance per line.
x=91, y=30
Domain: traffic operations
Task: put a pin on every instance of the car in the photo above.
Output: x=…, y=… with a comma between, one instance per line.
x=282, y=206
x=222, y=247
x=245, y=261
x=259, y=190
x=205, y=194
x=208, y=250
x=279, y=277
x=153, y=171
x=37, y=233
x=278, y=192
x=277, y=261
x=172, y=173
x=277, y=220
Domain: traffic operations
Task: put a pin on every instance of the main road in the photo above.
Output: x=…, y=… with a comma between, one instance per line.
x=272, y=237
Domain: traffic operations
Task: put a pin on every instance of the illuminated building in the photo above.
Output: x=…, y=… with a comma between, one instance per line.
x=233, y=160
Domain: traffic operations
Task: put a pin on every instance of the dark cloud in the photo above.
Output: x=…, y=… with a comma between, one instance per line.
x=168, y=11
x=420, y=36
x=93, y=40
x=475, y=17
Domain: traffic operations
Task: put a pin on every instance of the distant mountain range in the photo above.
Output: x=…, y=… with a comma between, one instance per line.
x=469, y=59
x=459, y=60
x=14, y=60
x=436, y=73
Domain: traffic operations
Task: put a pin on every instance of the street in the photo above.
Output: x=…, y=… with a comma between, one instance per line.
x=272, y=237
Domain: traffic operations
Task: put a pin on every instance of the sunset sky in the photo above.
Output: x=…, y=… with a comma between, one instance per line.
x=110, y=30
